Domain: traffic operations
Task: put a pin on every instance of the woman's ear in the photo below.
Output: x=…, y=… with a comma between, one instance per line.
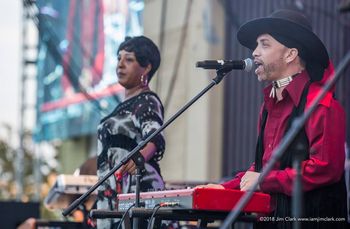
x=147, y=69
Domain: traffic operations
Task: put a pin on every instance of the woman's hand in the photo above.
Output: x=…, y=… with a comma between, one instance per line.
x=147, y=152
x=129, y=168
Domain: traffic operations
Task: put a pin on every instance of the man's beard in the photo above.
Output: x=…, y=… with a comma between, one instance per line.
x=267, y=71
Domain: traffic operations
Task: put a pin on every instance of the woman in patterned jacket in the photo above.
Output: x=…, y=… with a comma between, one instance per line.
x=133, y=120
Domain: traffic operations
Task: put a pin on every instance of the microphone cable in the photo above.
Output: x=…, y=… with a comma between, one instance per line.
x=154, y=211
x=123, y=216
x=157, y=207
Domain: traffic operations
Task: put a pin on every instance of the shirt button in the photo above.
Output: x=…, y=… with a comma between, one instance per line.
x=270, y=145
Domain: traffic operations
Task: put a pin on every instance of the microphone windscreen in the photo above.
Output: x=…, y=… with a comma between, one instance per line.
x=248, y=65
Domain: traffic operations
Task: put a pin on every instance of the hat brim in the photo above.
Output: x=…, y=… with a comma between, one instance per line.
x=249, y=32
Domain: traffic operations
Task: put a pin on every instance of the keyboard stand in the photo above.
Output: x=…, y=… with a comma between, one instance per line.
x=107, y=214
x=202, y=217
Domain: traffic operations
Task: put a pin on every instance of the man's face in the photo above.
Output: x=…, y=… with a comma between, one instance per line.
x=269, y=58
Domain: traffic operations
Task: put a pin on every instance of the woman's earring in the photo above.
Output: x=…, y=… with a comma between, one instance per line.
x=144, y=80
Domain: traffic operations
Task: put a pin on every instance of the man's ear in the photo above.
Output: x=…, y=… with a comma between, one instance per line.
x=291, y=55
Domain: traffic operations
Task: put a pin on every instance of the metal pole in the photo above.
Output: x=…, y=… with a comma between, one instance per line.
x=20, y=152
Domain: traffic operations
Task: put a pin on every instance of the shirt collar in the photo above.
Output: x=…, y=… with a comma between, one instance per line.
x=294, y=89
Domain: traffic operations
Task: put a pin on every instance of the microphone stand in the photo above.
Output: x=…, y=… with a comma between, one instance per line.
x=220, y=73
x=297, y=192
x=296, y=126
x=140, y=165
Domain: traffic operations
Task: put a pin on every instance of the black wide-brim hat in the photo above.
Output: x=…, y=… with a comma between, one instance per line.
x=288, y=24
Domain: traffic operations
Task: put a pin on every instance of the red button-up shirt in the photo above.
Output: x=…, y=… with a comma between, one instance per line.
x=325, y=130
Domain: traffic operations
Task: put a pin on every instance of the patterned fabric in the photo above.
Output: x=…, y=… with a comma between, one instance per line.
x=131, y=122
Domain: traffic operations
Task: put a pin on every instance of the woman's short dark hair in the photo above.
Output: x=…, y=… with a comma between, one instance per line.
x=145, y=50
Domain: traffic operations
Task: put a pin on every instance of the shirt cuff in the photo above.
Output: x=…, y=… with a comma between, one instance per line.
x=271, y=183
x=235, y=182
x=232, y=184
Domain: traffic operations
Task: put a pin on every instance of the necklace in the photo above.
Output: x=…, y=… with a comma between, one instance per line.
x=281, y=83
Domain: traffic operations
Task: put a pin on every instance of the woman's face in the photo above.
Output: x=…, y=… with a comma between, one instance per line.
x=129, y=71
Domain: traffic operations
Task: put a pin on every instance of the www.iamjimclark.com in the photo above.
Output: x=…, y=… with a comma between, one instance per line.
x=301, y=219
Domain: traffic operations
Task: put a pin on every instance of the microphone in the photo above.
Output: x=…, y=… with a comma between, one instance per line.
x=245, y=65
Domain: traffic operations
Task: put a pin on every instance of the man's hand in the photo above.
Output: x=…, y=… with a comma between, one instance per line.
x=217, y=186
x=248, y=180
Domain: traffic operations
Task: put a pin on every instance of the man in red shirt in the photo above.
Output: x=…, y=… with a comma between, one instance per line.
x=287, y=53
